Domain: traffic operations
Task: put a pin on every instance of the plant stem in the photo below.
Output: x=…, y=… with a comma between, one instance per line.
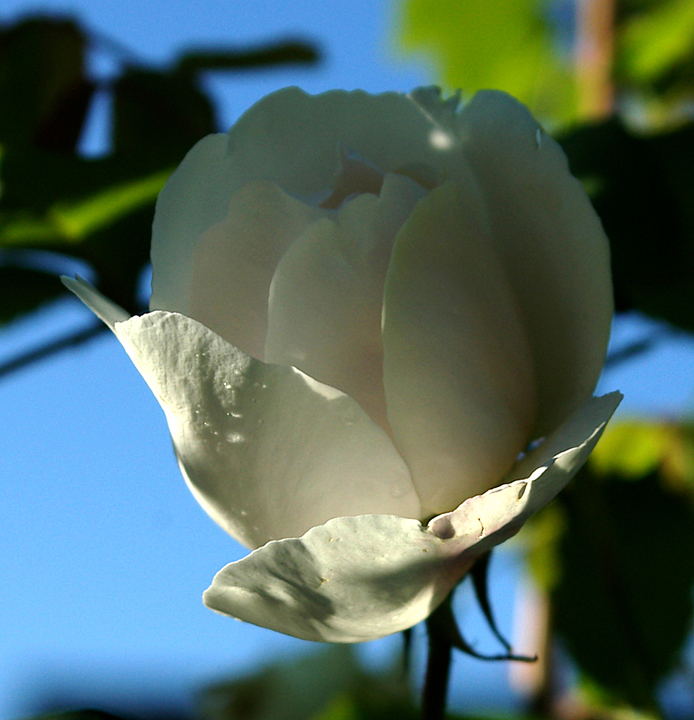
x=438, y=670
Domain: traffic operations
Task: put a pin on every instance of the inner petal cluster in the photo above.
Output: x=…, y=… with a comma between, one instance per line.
x=457, y=291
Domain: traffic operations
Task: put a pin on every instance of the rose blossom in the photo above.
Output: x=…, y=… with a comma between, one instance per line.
x=364, y=310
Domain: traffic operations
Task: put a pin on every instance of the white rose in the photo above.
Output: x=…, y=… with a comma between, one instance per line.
x=364, y=309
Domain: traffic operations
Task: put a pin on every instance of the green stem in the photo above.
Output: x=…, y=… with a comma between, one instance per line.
x=438, y=668
x=406, y=652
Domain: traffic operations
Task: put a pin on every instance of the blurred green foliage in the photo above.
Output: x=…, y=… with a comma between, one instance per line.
x=505, y=44
x=95, y=210
x=655, y=57
x=614, y=552
x=328, y=684
x=614, y=555
x=642, y=186
x=529, y=49
x=623, y=602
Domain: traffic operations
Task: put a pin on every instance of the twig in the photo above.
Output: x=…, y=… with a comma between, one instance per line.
x=437, y=672
x=52, y=348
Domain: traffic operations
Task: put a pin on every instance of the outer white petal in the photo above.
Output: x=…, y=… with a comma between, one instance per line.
x=360, y=578
x=458, y=373
x=551, y=244
x=326, y=299
x=268, y=451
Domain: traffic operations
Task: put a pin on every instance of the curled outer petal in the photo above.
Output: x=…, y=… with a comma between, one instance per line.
x=359, y=578
x=266, y=450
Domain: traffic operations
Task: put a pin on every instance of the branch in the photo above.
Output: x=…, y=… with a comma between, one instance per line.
x=72, y=340
x=438, y=666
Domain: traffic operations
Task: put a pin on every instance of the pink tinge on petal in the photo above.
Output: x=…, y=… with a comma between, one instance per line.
x=326, y=297
x=458, y=373
x=235, y=259
x=355, y=176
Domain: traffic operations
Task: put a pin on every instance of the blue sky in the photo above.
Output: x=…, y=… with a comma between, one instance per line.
x=103, y=552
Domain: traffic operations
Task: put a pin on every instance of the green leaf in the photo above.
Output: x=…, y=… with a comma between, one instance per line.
x=119, y=253
x=158, y=113
x=72, y=220
x=632, y=449
x=99, y=211
x=44, y=92
x=623, y=603
x=654, y=41
x=504, y=44
x=643, y=190
x=342, y=707
x=639, y=447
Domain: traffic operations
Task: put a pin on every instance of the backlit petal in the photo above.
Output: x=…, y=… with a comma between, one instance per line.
x=360, y=578
x=388, y=130
x=235, y=259
x=327, y=295
x=458, y=374
x=267, y=451
x=551, y=245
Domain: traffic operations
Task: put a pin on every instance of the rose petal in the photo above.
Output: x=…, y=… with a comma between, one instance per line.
x=235, y=259
x=360, y=578
x=458, y=374
x=351, y=580
x=267, y=451
x=551, y=245
x=388, y=130
x=195, y=197
x=215, y=260
x=327, y=295
x=548, y=469
x=355, y=175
